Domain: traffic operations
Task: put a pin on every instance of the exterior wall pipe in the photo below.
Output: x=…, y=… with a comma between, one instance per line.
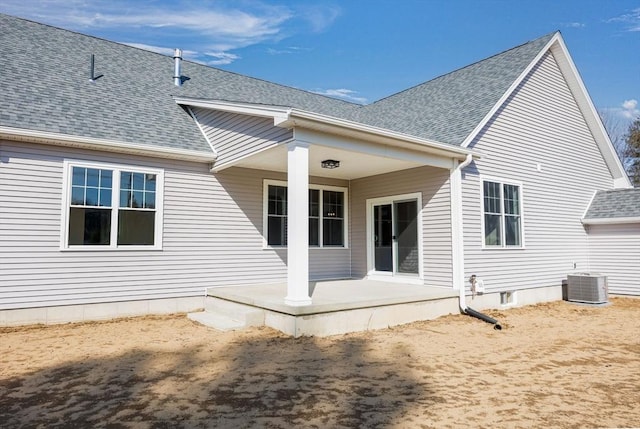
x=457, y=242
x=473, y=313
x=457, y=232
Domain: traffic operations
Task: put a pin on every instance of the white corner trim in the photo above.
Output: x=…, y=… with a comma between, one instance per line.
x=91, y=143
x=509, y=91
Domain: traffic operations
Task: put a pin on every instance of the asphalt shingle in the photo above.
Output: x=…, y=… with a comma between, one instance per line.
x=616, y=203
x=46, y=87
x=448, y=108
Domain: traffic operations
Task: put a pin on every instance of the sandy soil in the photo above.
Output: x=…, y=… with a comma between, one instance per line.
x=553, y=365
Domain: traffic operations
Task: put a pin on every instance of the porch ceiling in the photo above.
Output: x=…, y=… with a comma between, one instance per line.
x=353, y=165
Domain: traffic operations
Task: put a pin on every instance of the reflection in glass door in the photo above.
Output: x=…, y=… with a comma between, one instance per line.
x=406, y=233
x=382, y=238
x=395, y=237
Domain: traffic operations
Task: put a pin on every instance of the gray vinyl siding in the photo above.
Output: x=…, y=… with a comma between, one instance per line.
x=541, y=124
x=614, y=250
x=212, y=235
x=433, y=183
x=235, y=136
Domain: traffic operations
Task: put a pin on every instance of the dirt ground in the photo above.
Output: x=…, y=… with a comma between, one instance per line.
x=553, y=365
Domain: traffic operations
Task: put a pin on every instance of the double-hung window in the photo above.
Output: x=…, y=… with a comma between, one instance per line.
x=502, y=214
x=109, y=206
x=327, y=215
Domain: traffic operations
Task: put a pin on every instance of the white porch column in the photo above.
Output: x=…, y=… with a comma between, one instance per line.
x=298, y=224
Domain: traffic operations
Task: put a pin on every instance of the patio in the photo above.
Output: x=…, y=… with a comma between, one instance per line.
x=338, y=306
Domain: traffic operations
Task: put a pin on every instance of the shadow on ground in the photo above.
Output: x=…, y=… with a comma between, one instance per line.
x=257, y=381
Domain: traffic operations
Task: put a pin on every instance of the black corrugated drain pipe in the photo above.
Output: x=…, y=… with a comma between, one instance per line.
x=473, y=313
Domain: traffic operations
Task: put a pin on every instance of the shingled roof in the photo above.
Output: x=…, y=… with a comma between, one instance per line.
x=448, y=108
x=46, y=87
x=615, y=204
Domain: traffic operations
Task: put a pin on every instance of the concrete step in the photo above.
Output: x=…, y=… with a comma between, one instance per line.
x=217, y=321
x=250, y=316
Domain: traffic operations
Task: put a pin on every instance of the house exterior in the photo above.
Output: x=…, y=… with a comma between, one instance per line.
x=613, y=227
x=130, y=181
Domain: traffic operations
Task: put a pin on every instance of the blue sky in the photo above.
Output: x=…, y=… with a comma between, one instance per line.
x=363, y=50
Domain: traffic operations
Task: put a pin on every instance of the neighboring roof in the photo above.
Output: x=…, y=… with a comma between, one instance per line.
x=612, y=205
x=448, y=108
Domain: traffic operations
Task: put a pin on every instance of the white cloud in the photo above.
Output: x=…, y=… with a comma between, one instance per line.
x=287, y=50
x=575, y=24
x=210, y=26
x=345, y=94
x=221, y=58
x=630, y=109
x=320, y=17
x=626, y=112
x=631, y=19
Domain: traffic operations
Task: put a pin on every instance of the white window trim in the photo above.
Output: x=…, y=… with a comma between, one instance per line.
x=502, y=182
x=372, y=274
x=265, y=213
x=116, y=168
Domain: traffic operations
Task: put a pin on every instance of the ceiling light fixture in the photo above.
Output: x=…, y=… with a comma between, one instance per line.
x=330, y=164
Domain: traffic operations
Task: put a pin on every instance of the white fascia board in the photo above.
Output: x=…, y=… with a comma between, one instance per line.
x=331, y=125
x=610, y=220
x=590, y=114
x=276, y=112
x=44, y=137
x=509, y=91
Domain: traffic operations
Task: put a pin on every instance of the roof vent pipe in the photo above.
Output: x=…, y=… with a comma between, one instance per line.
x=177, y=66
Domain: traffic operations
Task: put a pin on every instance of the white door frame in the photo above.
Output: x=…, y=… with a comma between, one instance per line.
x=392, y=276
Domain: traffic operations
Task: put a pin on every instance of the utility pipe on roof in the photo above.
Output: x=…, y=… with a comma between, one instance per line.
x=177, y=67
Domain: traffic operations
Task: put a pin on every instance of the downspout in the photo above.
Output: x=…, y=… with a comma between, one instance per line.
x=457, y=241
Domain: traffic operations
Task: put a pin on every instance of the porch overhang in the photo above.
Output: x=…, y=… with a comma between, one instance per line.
x=397, y=150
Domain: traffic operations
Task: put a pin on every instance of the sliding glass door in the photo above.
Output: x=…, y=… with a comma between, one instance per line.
x=395, y=237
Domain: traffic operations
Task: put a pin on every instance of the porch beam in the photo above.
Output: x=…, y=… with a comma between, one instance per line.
x=298, y=224
x=417, y=153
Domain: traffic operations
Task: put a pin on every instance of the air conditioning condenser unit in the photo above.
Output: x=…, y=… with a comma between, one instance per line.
x=589, y=288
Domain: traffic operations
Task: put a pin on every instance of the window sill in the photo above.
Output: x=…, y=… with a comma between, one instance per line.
x=503, y=248
x=110, y=249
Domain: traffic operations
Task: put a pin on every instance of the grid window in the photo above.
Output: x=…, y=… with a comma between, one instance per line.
x=502, y=214
x=277, y=216
x=94, y=217
x=326, y=217
x=333, y=218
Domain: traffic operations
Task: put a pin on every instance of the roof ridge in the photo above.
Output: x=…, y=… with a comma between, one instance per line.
x=315, y=94
x=549, y=35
